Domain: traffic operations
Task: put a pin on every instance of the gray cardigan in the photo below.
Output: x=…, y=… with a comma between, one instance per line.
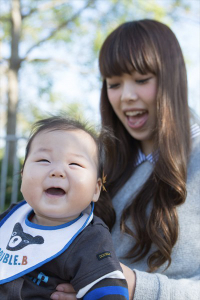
x=181, y=280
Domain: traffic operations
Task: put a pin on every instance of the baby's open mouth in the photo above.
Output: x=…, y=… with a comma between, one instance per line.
x=55, y=191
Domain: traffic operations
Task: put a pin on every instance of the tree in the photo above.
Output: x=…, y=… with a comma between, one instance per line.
x=16, y=19
x=31, y=31
x=28, y=25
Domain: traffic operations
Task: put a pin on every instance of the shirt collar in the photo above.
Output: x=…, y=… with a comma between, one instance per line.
x=152, y=158
x=194, y=130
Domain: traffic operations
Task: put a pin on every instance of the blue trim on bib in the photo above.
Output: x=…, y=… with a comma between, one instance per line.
x=42, y=227
x=20, y=274
x=12, y=211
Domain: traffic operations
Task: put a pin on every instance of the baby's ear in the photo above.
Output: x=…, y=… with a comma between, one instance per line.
x=21, y=172
x=97, y=190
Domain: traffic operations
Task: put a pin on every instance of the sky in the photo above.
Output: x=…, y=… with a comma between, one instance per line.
x=73, y=86
x=187, y=30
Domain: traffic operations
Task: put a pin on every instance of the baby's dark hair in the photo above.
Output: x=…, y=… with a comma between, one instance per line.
x=61, y=122
x=104, y=139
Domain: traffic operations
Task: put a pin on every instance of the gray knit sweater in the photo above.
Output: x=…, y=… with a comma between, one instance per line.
x=181, y=280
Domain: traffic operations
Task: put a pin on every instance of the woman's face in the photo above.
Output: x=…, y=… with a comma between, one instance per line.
x=133, y=98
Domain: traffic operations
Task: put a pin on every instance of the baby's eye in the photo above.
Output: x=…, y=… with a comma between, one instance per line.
x=75, y=164
x=43, y=160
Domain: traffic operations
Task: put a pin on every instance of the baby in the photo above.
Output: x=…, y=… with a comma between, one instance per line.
x=52, y=236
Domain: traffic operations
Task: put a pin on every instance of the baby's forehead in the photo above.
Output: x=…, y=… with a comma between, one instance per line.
x=79, y=138
x=78, y=132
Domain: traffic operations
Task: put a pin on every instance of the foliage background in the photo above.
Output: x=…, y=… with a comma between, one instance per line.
x=49, y=56
x=58, y=49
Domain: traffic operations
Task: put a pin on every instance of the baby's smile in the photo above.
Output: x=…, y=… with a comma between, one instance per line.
x=55, y=191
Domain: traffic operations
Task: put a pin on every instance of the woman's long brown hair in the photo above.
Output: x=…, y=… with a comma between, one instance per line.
x=149, y=46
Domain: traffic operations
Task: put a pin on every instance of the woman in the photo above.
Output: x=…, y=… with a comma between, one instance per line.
x=153, y=170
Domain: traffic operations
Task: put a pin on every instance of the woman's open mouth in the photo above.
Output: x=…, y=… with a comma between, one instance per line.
x=137, y=118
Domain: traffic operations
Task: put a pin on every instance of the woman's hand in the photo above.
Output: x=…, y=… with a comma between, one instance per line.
x=64, y=291
x=131, y=280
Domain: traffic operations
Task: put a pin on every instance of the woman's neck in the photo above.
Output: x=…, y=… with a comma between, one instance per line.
x=147, y=146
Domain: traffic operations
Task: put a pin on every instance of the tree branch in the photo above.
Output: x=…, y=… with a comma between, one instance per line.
x=44, y=7
x=44, y=60
x=4, y=19
x=3, y=69
x=54, y=31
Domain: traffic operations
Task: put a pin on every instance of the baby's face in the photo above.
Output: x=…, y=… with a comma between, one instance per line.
x=59, y=179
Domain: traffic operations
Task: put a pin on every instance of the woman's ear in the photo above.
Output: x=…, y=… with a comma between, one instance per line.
x=97, y=190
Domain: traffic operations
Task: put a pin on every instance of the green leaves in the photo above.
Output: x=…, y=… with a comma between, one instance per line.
x=64, y=35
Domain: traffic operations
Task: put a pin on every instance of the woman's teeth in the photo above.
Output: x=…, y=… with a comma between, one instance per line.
x=134, y=113
x=136, y=118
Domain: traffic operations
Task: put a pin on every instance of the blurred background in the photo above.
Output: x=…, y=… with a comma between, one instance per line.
x=49, y=62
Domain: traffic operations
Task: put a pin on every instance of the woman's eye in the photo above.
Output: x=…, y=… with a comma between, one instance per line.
x=141, y=81
x=113, y=86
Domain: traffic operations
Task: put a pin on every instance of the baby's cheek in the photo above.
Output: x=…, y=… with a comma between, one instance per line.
x=30, y=186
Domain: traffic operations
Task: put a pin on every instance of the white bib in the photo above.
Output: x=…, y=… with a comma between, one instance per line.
x=25, y=246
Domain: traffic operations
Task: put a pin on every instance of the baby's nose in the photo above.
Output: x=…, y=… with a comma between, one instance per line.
x=58, y=172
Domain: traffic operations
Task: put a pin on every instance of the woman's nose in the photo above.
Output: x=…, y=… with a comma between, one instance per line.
x=129, y=92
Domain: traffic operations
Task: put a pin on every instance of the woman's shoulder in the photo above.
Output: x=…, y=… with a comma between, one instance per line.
x=193, y=170
x=195, y=140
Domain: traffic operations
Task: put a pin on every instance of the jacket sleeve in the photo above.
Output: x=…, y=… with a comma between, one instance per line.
x=158, y=286
x=93, y=267
x=3, y=214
